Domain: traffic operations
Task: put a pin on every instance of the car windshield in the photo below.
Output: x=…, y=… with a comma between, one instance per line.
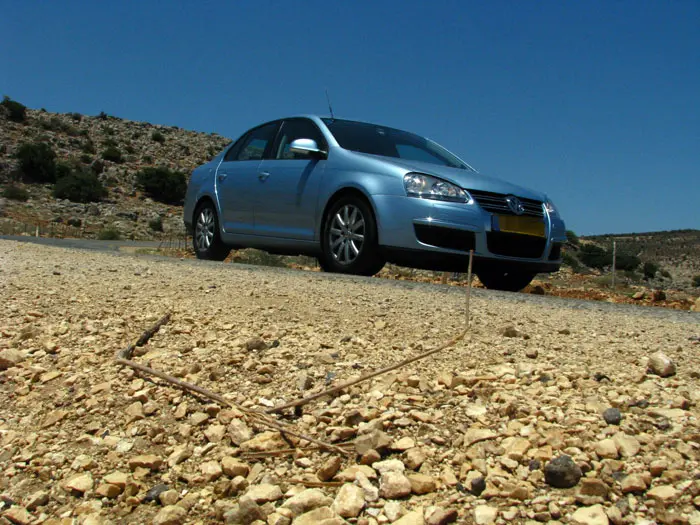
x=390, y=142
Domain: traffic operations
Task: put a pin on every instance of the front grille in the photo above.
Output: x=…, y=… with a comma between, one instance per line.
x=441, y=237
x=496, y=203
x=515, y=245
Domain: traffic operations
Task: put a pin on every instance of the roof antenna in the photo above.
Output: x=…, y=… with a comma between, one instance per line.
x=330, y=108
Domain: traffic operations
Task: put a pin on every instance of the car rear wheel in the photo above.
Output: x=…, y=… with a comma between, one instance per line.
x=349, y=241
x=505, y=279
x=206, y=240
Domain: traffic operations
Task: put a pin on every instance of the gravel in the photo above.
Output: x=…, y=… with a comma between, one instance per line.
x=467, y=435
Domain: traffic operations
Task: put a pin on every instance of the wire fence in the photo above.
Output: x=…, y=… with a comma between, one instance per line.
x=42, y=229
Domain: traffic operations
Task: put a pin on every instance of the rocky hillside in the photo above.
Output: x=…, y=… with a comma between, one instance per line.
x=113, y=148
x=677, y=250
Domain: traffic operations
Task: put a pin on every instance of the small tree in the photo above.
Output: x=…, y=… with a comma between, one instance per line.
x=594, y=256
x=16, y=112
x=157, y=136
x=80, y=186
x=162, y=184
x=649, y=269
x=37, y=162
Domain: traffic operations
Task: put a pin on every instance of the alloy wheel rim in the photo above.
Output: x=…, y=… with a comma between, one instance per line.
x=346, y=234
x=204, y=230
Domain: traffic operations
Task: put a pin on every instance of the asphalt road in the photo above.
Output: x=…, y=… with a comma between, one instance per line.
x=129, y=248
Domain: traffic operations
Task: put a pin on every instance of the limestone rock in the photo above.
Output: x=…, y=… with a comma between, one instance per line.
x=393, y=485
x=661, y=365
x=485, y=514
x=422, y=484
x=594, y=515
x=307, y=500
x=81, y=483
x=170, y=515
x=349, y=501
x=264, y=492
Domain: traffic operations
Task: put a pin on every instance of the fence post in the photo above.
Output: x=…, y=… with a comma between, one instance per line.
x=613, y=264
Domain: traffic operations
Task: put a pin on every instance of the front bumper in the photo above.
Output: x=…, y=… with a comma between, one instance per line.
x=439, y=235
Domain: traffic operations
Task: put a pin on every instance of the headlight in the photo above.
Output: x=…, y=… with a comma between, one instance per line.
x=427, y=187
x=550, y=207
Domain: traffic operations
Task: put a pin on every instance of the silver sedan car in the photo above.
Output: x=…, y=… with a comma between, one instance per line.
x=357, y=195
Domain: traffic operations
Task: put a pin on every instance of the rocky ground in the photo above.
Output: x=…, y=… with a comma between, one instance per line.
x=544, y=413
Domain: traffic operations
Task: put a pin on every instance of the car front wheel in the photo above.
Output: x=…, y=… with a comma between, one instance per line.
x=206, y=240
x=506, y=279
x=349, y=241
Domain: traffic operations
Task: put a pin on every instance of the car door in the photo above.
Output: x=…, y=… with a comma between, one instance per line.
x=287, y=192
x=237, y=178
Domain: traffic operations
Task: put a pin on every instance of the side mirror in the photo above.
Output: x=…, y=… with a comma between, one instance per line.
x=306, y=147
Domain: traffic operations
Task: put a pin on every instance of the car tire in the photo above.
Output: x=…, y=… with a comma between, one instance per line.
x=349, y=242
x=505, y=279
x=206, y=240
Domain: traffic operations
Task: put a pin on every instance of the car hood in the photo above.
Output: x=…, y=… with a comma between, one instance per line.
x=467, y=179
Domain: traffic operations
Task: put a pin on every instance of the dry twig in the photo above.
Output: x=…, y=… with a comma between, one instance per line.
x=352, y=382
x=123, y=357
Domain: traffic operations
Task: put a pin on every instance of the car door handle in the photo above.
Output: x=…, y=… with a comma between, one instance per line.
x=263, y=175
x=222, y=176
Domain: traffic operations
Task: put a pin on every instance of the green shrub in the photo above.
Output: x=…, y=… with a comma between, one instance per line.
x=665, y=274
x=80, y=186
x=110, y=233
x=37, y=162
x=112, y=154
x=147, y=159
x=103, y=116
x=16, y=112
x=594, y=256
x=571, y=261
x=162, y=184
x=108, y=131
x=63, y=170
x=572, y=238
x=76, y=116
x=15, y=193
x=649, y=269
x=129, y=149
x=110, y=143
x=156, y=224
x=85, y=158
x=696, y=281
x=157, y=136
x=627, y=262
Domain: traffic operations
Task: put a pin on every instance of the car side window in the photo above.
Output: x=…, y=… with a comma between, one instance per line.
x=255, y=143
x=298, y=129
x=232, y=152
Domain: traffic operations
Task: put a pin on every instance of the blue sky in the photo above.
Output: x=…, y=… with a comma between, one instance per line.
x=598, y=103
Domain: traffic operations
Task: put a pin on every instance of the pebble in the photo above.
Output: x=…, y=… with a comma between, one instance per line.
x=612, y=416
x=562, y=472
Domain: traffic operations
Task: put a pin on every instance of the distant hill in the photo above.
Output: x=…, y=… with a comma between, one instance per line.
x=678, y=251
x=82, y=142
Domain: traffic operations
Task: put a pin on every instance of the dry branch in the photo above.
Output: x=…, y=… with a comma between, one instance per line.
x=352, y=382
x=123, y=358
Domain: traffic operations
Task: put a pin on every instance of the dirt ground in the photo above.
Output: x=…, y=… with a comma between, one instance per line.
x=474, y=434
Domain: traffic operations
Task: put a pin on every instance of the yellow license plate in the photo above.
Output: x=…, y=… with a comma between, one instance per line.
x=523, y=225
